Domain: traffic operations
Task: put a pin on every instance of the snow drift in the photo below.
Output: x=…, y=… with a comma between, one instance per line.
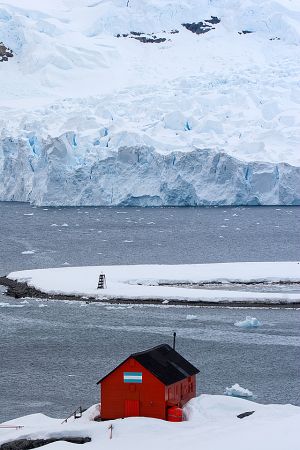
x=211, y=420
x=118, y=103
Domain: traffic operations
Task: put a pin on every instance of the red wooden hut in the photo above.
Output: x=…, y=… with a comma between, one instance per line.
x=148, y=384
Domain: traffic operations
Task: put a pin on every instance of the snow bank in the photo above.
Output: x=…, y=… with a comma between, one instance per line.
x=143, y=281
x=237, y=391
x=212, y=422
x=194, y=120
x=249, y=322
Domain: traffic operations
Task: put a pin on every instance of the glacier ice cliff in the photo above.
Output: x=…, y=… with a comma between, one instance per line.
x=92, y=116
x=54, y=171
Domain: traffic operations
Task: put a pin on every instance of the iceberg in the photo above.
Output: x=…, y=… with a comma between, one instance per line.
x=249, y=322
x=237, y=391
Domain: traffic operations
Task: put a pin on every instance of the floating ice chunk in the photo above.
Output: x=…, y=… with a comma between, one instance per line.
x=54, y=225
x=66, y=263
x=237, y=391
x=28, y=252
x=8, y=305
x=191, y=317
x=249, y=322
x=128, y=241
x=43, y=306
x=165, y=302
x=28, y=214
x=65, y=225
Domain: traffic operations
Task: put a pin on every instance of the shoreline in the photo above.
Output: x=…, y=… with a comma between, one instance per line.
x=21, y=290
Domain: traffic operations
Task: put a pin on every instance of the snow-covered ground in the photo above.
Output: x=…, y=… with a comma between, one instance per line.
x=144, y=281
x=91, y=118
x=212, y=424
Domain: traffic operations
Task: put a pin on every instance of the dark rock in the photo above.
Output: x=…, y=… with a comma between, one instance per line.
x=28, y=444
x=214, y=20
x=198, y=28
x=245, y=32
x=147, y=40
x=245, y=414
x=5, y=52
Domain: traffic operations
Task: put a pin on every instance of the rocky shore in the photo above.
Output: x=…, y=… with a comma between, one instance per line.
x=18, y=290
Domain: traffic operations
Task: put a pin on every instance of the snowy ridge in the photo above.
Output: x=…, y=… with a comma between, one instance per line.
x=74, y=96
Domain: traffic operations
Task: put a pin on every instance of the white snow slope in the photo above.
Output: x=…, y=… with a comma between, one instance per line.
x=89, y=118
x=212, y=424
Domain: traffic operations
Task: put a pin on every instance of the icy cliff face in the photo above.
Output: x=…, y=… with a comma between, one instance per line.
x=150, y=102
x=140, y=176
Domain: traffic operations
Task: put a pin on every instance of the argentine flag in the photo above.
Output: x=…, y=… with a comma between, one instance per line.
x=133, y=377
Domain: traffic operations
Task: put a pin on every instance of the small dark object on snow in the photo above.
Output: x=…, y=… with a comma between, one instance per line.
x=102, y=281
x=245, y=414
x=245, y=32
x=153, y=40
x=28, y=444
x=198, y=28
x=5, y=52
x=214, y=20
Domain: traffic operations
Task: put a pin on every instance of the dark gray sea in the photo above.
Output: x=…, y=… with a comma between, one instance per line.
x=53, y=353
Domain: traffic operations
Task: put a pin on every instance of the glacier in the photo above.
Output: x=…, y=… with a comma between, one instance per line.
x=140, y=176
x=118, y=103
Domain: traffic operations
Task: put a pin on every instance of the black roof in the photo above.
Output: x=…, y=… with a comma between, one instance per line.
x=164, y=363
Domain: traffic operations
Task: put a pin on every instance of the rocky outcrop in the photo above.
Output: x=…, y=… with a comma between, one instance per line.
x=28, y=444
x=5, y=52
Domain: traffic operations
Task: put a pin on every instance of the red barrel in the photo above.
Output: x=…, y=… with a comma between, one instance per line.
x=175, y=414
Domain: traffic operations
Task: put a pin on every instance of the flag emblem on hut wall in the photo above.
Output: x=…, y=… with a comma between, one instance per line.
x=133, y=377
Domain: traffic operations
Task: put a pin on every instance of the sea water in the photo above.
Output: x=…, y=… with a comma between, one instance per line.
x=52, y=353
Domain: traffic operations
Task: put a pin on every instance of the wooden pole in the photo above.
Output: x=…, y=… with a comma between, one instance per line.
x=174, y=340
x=110, y=431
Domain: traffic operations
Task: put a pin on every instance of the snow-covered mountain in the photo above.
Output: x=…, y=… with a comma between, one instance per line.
x=150, y=102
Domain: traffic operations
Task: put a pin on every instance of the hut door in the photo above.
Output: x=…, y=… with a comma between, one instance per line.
x=132, y=408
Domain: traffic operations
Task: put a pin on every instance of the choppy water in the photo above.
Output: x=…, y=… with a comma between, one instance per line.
x=92, y=236
x=53, y=353
x=52, y=356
